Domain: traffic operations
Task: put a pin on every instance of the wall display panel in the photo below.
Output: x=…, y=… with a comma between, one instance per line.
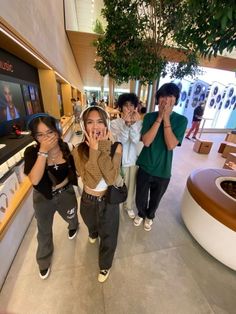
x=17, y=69
x=215, y=97
x=184, y=86
x=11, y=101
x=22, y=91
x=27, y=99
x=232, y=119
x=35, y=100
x=227, y=108
x=18, y=100
x=196, y=94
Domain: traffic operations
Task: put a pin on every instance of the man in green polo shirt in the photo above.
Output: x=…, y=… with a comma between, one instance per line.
x=162, y=131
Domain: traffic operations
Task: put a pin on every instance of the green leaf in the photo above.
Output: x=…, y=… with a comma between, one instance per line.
x=224, y=22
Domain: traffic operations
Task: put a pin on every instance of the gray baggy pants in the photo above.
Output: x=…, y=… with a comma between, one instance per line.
x=65, y=203
x=101, y=219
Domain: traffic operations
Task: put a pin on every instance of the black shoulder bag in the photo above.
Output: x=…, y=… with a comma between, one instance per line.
x=118, y=192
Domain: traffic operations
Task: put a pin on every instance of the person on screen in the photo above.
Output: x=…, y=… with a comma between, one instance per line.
x=8, y=110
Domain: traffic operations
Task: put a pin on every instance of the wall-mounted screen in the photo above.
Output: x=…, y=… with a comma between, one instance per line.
x=11, y=101
x=27, y=99
x=36, y=103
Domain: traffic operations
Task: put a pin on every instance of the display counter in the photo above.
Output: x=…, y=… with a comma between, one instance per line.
x=67, y=124
x=13, y=145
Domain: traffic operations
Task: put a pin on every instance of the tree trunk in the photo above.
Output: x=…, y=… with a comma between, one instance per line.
x=139, y=89
x=132, y=84
x=111, y=92
x=149, y=94
x=155, y=85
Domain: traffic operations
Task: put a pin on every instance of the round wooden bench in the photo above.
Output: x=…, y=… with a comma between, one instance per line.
x=209, y=213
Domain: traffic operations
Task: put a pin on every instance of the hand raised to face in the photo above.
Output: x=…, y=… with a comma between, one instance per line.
x=47, y=143
x=92, y=138
x=170, y=101
x=166, y=105
x=135, y=116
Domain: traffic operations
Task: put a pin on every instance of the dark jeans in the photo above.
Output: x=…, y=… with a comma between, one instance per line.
x=65, y=204
x=156, y=186
x=101, y=219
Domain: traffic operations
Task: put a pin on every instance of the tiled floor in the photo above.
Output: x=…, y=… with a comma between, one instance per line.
x=162, y=272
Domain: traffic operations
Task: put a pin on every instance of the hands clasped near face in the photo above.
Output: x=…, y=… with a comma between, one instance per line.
x=130, y=116
x=95, y=130
x=93, y=137
x=166, y=105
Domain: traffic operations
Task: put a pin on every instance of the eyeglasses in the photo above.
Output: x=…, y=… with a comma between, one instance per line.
x=42, y=135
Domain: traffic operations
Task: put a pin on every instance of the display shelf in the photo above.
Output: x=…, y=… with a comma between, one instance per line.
x=66, y=123
x=19, y=196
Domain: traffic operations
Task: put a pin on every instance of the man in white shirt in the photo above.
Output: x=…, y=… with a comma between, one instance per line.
x=127, y=131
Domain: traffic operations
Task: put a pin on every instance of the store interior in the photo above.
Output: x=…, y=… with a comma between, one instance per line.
x=168, y=270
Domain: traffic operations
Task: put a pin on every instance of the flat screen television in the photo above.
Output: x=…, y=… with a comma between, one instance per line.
x=12, y=107
x=11, y=101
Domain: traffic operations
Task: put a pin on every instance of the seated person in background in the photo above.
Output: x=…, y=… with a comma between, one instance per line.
x=197, y=117
x=127, y=131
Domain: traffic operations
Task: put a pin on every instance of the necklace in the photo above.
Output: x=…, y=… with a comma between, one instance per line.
x=54, y=159
x=55, y=164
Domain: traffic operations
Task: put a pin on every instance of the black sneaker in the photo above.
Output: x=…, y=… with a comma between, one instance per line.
x=188, y=138
x=194, y=137
x=44, y=273
x=72, y=233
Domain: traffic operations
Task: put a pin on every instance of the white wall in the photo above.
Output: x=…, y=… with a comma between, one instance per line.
x=41, y=23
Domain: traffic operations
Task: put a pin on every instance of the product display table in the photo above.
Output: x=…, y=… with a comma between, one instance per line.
x=209, y=213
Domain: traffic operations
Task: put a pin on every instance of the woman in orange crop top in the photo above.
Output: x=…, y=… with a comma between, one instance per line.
x=98, y=170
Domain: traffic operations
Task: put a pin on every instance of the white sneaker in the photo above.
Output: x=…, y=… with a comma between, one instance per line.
x=137, y=221
x=103, y=275
x=131, y=213
x=148, y=224
x=92, y=240
x=44, y=273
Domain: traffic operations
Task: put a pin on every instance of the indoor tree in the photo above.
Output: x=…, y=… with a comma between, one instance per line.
x=210, y=28
x=136, y=36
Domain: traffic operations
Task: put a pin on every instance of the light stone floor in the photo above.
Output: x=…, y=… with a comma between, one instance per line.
x=164, y=271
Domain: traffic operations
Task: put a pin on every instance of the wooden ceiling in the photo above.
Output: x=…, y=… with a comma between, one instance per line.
x=85, y=55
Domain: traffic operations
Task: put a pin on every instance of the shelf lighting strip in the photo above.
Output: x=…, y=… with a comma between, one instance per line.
x=33, y=54
x=61, y=77
x=24, y=47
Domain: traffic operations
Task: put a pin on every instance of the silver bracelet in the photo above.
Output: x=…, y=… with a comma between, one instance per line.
x=43, y=154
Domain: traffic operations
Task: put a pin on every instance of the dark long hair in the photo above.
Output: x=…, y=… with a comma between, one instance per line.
x=52, y=124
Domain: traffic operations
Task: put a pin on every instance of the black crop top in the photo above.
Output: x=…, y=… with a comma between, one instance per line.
x=58, y=172
x=48, y=181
